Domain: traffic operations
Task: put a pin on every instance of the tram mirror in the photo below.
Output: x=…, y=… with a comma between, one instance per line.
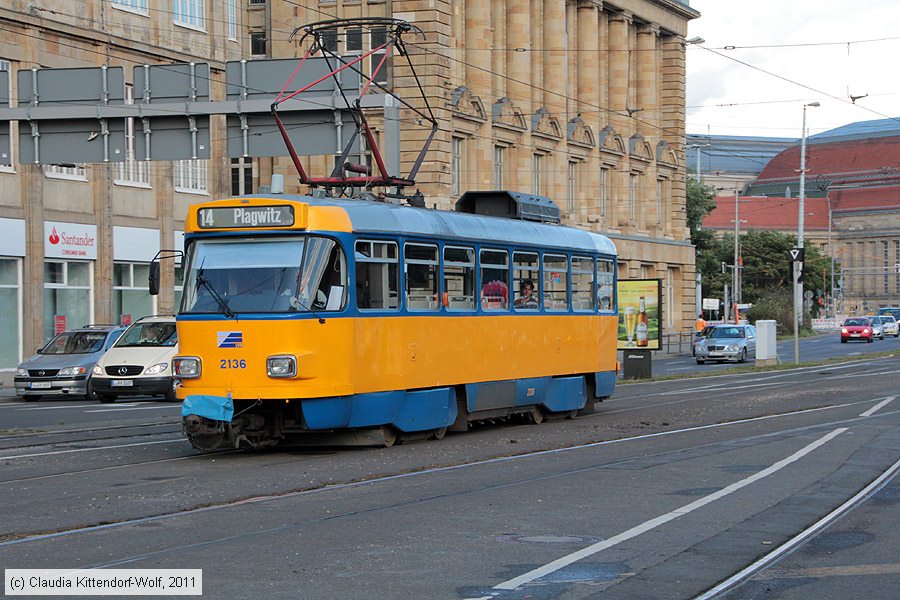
x=154, y=278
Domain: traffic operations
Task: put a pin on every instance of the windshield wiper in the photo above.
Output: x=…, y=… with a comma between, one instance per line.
x=223, y=304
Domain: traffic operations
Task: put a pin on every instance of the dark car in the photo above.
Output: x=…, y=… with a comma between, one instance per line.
x=63, y=366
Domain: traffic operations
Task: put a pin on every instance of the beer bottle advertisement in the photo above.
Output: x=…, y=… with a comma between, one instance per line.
x=639, y=302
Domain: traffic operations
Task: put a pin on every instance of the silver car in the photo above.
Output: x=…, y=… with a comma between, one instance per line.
x=63, y=366
x=877, y=327
x=890, y=325
x=727, y=342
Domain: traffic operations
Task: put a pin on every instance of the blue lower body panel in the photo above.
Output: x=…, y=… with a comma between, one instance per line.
x=566, y=393
x=419, y=410
x=604, y=384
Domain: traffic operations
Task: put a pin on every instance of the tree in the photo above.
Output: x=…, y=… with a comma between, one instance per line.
x=700, y=201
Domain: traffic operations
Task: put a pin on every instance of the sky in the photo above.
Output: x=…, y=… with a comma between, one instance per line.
x=829, y=56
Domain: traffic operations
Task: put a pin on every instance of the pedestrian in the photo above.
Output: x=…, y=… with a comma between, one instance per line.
x=700, y=325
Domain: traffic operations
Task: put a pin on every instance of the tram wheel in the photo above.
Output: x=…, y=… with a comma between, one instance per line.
x=390, y=435
x=536, y=416
x=439, y=433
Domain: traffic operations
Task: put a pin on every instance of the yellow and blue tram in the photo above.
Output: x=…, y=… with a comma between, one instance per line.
x=305, y=315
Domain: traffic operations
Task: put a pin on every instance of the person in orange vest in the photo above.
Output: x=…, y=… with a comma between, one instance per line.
x=700, y=324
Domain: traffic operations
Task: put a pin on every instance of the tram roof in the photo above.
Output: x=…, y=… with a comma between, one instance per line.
x=382, y=217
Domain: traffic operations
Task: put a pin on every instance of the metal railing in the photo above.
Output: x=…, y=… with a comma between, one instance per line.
x=678, y=342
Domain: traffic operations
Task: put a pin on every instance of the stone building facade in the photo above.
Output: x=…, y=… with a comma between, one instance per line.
x=116, y=216
x=578, y=100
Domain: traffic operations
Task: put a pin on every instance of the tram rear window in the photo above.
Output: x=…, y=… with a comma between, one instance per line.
x=377, y=275
x=606, y=296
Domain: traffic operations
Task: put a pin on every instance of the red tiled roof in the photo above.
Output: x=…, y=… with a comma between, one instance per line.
x=871, y=155
x=779, y=214
x=865, y=198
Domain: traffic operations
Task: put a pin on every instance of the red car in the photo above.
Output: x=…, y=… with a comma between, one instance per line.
x=856, y=328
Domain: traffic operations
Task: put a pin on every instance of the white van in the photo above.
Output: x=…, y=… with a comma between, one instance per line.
x=139, y=363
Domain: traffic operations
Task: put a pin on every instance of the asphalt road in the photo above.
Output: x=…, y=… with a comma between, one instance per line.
x=667, y=490
x=812, y=349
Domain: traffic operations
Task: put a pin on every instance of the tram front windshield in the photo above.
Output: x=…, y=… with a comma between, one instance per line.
x=258, y=275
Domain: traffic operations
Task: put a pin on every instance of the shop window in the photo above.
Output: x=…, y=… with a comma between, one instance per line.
x=10, y=312
x=68, y=298
x=131, y=292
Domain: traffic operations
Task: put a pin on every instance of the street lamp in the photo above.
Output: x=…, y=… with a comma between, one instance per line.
x=798, y=287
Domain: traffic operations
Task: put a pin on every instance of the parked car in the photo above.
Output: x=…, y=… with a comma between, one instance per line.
x=726, y=342
x=63, y=366
x=877, y=327
x=856, y=328
x=889, y=310
x=139, y=364
x=890, y=325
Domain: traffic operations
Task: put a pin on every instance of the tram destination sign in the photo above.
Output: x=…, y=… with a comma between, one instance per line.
x=235, y=217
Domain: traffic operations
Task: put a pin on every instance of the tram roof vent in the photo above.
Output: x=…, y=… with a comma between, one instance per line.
x=512, y=205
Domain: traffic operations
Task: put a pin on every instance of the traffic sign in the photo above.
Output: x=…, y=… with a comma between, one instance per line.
x=795, y=254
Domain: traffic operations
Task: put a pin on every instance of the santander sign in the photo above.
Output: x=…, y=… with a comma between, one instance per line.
x=70, y=240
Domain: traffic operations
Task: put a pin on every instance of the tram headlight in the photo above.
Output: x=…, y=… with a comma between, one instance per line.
x=281, y=366
x=186, y=367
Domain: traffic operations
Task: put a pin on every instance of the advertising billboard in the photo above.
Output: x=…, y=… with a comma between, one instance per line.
x=640, y=314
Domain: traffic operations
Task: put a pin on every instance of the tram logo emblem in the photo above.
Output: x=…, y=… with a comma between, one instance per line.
x=230, y=339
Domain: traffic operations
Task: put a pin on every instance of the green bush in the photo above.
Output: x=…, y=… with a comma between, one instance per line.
x=777, y=305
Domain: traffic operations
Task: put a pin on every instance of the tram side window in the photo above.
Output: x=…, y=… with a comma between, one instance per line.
x=582, y=283
x=556, y=282
x=421, y=266
x=377, y=275
x=526, y=276
x=459, y=277
x=494, y=280
x=606, y=289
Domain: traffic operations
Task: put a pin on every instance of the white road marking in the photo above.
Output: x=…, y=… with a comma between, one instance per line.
x=877, y=407
x=125, y=407
x=802, y=536
x=567, y=560
x=67, y=406
x=679, y=368
x=3, y=458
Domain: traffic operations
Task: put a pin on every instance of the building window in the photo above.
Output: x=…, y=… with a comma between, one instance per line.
x=75, y=172
x=131, y=171
x=499, y=152
x=885, y=286
x=138, y=6
x=190, y=176
x=572, y=185
x=456, y=159
x=632, y=196
x=241, y=176
x=10, y=312
x=659, y=196
x=379, y=37
x=189, y=13
x=537, y=167
x=258, y=44
x=131, y=292
x=68, y=298
x=604, y=191
x=354, y=41
x=257, y=2
x=232, y=19
x=897, y=266
x=5, y=66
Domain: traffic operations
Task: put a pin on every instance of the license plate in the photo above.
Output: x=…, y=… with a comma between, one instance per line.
x=121, y=383
x=854, y=335
x=40, y=385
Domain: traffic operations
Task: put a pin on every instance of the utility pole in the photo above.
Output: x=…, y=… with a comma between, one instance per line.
x=798, y=266
x=736, y=273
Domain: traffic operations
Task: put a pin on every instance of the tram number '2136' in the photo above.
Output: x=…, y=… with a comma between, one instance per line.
x=232, y=363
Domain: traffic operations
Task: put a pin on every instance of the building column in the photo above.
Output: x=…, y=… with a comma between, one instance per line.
x=618, y=56
x=555, y=82
x=161, y=175
x=537, y=55
x=647, y=88
x=672, y=106
x=518, y=35
x=478, y=80
x=498, y=58
x=588, y=94
x=31, y=193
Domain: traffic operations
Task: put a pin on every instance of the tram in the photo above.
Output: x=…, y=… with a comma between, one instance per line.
x=377, y=322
